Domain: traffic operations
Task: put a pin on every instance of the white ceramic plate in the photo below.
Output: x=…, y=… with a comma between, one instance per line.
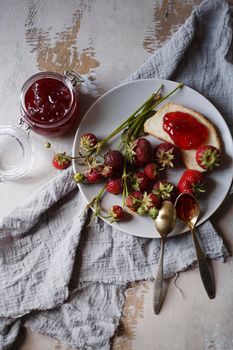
x=115, y=106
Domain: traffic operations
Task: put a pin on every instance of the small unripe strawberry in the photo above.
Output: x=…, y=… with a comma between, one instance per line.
x=47, y=145
x=79, y=177
x=153, y=212
x=142, y=210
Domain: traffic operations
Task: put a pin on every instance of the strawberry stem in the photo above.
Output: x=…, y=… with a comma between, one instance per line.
x=94, y=204
x=179, y=86
x=125, y=185
x=131, y=118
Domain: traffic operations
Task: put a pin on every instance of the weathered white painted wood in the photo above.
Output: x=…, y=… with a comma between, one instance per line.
x=106, y=40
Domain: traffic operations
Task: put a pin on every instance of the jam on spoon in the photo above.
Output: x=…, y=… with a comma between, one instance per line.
x=188, y=212
x=185, y=130
x=185, y=207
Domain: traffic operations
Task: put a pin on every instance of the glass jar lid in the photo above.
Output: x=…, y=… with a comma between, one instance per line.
x=16, y=154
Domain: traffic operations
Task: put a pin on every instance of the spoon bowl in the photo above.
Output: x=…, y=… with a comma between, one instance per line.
x=188, y=212
x=166, y=219
x=164, y=224
x=187, y=209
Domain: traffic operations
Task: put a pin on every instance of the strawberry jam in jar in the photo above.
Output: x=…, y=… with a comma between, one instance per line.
x=49, y=102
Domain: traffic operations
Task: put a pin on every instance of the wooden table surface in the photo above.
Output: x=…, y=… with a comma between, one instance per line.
x=106, y=40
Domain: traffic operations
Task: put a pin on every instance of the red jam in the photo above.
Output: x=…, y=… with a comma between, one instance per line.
x=185, y=131
x=185, y=207
x=48, y=100
x=49, y=104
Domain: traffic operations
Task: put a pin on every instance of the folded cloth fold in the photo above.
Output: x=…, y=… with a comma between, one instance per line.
x=68, y=279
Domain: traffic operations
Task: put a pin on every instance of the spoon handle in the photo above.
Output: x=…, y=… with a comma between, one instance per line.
x=158, y=286
x=205, y=271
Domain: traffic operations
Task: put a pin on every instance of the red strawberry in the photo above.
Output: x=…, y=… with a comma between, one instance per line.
x=117, y=213
x=107, y=171
x=143, y=151
x=151, y=171
x=151, y=200
x=208, y=157
x=167, y=155
x=164, y=190
x=115, y=159
x=114, y=186
x=88, y=141
x=61, y=161
x=192, y=181
x=133, y=200
x=94, y=175
x=140, y=182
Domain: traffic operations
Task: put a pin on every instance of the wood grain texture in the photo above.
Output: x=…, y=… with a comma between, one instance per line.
x=167, y=17
x=133, y=311
x=106, y=40
x=61, y=51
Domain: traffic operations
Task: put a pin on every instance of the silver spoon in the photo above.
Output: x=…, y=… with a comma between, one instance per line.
x=188, y=212
x=164, y=224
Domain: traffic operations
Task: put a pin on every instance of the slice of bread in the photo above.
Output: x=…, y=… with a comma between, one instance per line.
x=154, y=126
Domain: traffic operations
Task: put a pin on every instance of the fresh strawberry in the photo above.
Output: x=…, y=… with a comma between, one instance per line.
x=151, y=200
x=140, y=182
x=61, y=161
x=143, y=151
x=115, y=159
x=148, y=202
x=116, y=213
x=167, y=155
x=107, y=171
x=88, y=141
x=151, y=171
x=164, y=190
x=133, y=200
x=208, y=157
x=94, y=175
x=192, y=181
x=114, y=186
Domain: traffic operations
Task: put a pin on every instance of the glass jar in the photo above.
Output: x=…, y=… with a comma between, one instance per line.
x=16, y=153
x=49, y=102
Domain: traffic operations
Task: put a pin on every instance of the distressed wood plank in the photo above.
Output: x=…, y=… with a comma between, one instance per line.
x=90, y=37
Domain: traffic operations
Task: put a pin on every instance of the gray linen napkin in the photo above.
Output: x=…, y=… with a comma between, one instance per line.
x=66, y=280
